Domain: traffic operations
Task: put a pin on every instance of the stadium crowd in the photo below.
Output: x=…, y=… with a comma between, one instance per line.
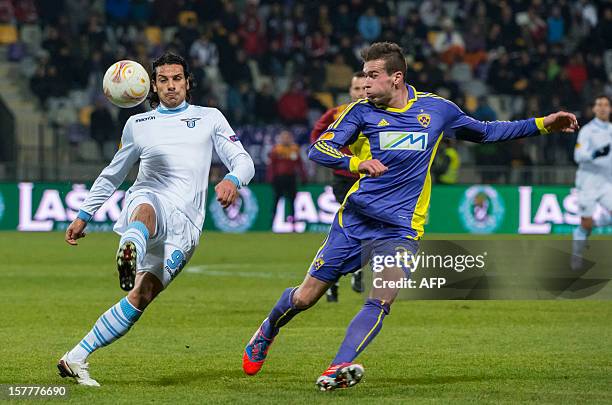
x=284, y=62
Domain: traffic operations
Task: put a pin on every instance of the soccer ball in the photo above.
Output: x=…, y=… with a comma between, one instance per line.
x=126, y=84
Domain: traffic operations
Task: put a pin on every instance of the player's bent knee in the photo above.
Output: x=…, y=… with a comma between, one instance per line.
x=145, y=213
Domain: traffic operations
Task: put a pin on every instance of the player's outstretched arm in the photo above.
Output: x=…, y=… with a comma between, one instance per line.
x=463, y=127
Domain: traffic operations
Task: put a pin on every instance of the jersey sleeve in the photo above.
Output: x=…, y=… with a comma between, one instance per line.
x=321, y=125
x=232, y=153
x=326, y=149
x=113, y=175
x=583, y=151
x=461, y=126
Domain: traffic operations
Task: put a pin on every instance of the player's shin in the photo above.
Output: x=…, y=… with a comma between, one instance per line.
x=281, y=314
x=362, y=330
x=112, y=325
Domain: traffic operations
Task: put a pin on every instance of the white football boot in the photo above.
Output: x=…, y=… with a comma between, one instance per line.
x=77, y=370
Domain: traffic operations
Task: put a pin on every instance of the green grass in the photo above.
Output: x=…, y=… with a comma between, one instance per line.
x=187, y=347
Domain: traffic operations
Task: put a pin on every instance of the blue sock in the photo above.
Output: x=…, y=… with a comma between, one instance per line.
x=362, y=330
x=138, y=233
x=111, y=325
x=281, y=314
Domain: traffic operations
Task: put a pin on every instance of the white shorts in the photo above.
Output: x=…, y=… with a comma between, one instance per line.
x=589, y=197
x=174, y=241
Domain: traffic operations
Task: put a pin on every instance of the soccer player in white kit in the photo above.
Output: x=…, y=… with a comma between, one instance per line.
x=163, y=215
x=594, y=175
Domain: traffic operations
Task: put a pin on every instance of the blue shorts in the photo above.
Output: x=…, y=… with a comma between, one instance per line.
x=350, y=246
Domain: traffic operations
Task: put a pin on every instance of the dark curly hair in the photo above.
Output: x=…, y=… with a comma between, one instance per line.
x=168, y=58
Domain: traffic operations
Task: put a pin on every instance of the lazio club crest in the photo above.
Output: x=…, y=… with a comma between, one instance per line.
x=424, y=119
x=191, y=122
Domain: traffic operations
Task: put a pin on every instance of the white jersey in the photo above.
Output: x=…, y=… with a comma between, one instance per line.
x=175, y=151
x=593, y=173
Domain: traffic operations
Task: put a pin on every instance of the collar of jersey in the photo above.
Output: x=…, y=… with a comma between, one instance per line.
x=175, y=110
x=412, y=96
x=600, y=123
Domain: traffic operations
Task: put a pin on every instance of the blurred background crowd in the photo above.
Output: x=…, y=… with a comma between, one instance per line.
x=278, y=65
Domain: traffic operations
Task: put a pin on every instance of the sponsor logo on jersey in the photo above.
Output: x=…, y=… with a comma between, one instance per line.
x=481, y=209
x=234, y=138
x=424, y=119
x=382, y=123
x=191, y=122
x=403, y=141
x=238, y=217
x=151, y=117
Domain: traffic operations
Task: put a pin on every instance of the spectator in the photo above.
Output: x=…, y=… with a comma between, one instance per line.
x=449, y=43
x=317, y=45
x=338, y=75
x=293, y=105
x=344, y=21
x=265, y=105
x=204, y=51
x=238, y=71
x=576, y=72
x=484, y=112
x=430, y=12
x=188, y=33
x=165, y=12
x=118, y=10
x=475, y=46
x=251, y=32
x=556, y=26
x=241, y=103
x=369, y=25
x=102, y=125
x=283, y=170
x=38, y=85
x=274, y=22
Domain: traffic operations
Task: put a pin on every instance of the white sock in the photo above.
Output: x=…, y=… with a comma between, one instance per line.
x=138, y=233
x=580, y=236
x=580, y=233
x=112, y=325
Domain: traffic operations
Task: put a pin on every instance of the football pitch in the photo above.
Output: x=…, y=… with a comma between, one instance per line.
x=187, y=347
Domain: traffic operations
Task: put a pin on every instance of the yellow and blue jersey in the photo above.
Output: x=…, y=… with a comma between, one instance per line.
x=405, y=140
